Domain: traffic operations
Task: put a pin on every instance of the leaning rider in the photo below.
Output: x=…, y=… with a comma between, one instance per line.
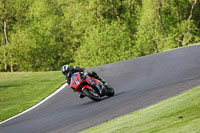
x=68, y=71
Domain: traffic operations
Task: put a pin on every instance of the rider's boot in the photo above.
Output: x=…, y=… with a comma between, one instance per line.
x=104, y=87
x=104, y=82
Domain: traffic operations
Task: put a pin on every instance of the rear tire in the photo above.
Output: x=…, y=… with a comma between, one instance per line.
x=110, y=92
x=92, y=94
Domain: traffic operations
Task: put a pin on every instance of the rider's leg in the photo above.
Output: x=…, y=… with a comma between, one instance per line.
x=94, y=74
x=103, y=88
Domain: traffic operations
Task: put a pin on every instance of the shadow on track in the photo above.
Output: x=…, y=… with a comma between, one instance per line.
x=103, y=98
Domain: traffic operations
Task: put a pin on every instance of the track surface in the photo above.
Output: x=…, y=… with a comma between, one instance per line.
x=138, y=83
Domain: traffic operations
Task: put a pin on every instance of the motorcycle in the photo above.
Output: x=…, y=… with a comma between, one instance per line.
x=89, y=86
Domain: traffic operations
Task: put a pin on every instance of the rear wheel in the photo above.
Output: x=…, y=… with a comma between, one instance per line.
x=110, y=92
x=92, y=94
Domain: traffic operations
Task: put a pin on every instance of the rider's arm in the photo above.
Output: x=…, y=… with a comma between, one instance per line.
x=78, y=69
x=68, y=80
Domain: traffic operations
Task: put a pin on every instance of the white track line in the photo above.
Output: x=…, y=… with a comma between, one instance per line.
x=58, y=90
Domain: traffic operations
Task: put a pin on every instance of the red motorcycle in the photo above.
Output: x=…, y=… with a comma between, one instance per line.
x=90, y=86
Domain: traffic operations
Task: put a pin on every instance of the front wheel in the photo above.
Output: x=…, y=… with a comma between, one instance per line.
x=92, y=94
x=110, y=92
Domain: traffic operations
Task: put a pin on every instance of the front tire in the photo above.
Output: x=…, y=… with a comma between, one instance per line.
x=92, y=94
x=110, y=92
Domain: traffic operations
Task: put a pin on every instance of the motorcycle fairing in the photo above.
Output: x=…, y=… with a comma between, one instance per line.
x=80, y=84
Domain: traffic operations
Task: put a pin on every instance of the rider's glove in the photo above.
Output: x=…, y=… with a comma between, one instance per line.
x=85, y=74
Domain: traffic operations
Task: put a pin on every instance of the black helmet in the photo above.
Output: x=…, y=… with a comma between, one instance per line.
x=66, y=69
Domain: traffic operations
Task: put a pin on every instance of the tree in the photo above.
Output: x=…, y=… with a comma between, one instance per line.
x=12, y=15
x=43, y=35
x=150, y=33
x=104, y=45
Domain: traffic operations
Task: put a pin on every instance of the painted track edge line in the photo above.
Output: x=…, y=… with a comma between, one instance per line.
x=33, y=107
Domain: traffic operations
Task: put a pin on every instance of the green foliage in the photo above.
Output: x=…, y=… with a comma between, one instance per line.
x=150, y=31
x=43, y=35
x=104, y=44
x=166, y=24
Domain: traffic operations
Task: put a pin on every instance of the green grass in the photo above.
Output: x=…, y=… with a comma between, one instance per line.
x=21, y=90
x=180, y=114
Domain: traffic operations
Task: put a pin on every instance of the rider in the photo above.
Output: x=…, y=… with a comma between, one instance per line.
x=68, y=71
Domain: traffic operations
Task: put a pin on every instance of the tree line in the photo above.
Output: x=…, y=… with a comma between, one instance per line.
x=42, y=35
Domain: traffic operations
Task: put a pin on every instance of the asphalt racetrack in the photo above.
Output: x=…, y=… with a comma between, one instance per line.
x=138, y=83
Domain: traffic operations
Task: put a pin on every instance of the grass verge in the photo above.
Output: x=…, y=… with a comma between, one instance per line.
x=21, y=90
x=180, y=114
